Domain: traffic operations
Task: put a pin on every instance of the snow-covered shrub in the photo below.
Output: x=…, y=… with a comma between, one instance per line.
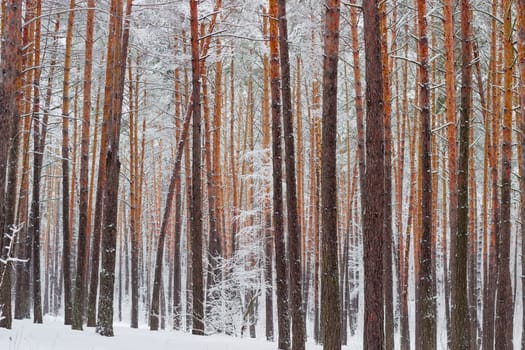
x=232, y=298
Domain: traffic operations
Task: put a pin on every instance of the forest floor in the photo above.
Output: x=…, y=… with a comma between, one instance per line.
x=53, y=335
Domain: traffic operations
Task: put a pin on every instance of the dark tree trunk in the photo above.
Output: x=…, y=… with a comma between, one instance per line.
x=177, y=259
x=109, y=238
x=134, y=278
x=101, y=185
x=373, y=198
x=283, y=318
x=10, y=54
x=426, y=322
x=10, y=229
x=268, y=274
x=118, y=46
x=460, y=308
x=196, y=210
x=294, y=225
x=504, y=302
x=39, y=139
x=66, y=227
x=83, y=241
x=330, y=308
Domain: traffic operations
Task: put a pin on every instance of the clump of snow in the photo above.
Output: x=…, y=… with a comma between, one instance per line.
x=53, y=335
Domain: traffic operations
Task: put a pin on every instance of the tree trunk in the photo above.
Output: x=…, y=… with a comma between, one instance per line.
x=450, y=82
x=196, y=211
x=388, y=239
x=495, y=130
x=460, y=313
x=39, y=139
x=117, y=58
x=24, y=241
x=426, y=326
x=66, y=241
x=10, y=55
x=178, y=224
x=294, y=225
x=133, y=198
x=373, y=196
x=521, y=65
x=504, y=303
x=83, y=242
x=330, y=308
x=283, y=317
x=268, y=235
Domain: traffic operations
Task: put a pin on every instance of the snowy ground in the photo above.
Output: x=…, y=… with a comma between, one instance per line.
x=53, y=335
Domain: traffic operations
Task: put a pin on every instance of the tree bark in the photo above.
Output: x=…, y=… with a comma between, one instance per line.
x=66, y=241
x=283, y=317
x=294, y=225
x=178, y=222
x=450, y=82
x=504, y=302
x=521, y=66
x=39, y=139
x=134, y=229
x=268, y=235
x=10, y=55
x=373, y=198
x=196, y=210
x=460, y=313
x=24, y=241
x=426, y=325
x=83, y=242
x=330, y=307
x=116, y=68
x=388, y=239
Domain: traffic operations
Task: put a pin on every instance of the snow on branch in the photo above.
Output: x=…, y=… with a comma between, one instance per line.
x=8, y=257
x=15, y=229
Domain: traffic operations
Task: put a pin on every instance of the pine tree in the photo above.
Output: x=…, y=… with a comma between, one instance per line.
x=504, y=302
x=283, y=317
x=116, y=68
x=330, y=307
x=373, y=197
x=10, y=55
x=426, y=313
x=196, y=211
x=521, y=65
x=83, y=241
x=460, y=315
x=294, y=225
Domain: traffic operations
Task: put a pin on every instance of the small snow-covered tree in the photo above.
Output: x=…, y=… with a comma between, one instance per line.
x=232, y=300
